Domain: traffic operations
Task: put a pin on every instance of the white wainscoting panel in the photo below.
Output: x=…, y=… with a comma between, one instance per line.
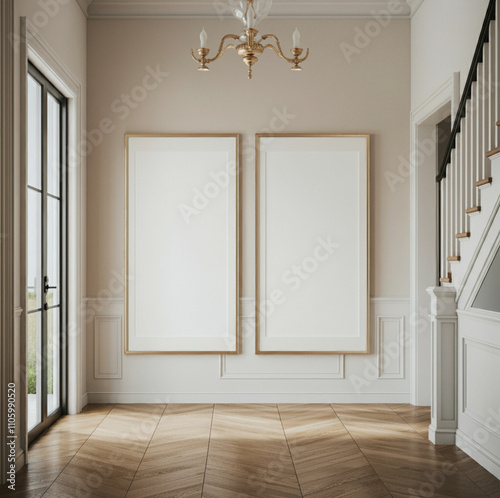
x=247, y=377
x=284, y=367
x=108, y=347
x=479, y=397
x=391, y=347
x=478, y=432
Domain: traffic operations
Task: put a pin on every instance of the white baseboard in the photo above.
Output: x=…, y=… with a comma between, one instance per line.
x=489, y=461
x=20, y=460
x=85, y=400
x=442, y=436
x=116, y=397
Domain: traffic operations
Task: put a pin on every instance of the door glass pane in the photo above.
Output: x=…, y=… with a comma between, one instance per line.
x=53, y=146
x=34, y=248
x=34, y=133
x=53, y=251
x=53, y=362
x=34, y=369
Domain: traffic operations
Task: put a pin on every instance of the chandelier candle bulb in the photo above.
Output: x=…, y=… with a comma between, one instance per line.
x=203, y=39
x=296, y=38
x=250, y=21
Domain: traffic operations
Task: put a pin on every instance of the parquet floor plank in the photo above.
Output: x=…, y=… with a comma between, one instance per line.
x=247, y=451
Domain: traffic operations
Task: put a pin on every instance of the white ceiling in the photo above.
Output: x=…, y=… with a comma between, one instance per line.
x=184, y=9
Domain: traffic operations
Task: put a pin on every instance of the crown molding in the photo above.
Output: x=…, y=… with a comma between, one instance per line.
x=414, y=6
x=84, y=5
x=281, y=9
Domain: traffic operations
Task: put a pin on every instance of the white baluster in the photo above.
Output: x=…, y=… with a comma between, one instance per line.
x=444, y=227
x=492, y=132
x=486, y=110
x=479, y=132
x=453, y=203
x=473, y=146
x=462, y=193
x=468, y=162
x=451, y=210
x=457, y=176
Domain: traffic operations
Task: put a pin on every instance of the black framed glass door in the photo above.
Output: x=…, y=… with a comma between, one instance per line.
x=46, y=253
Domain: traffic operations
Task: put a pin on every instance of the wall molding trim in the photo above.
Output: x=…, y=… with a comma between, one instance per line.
x=7, y=227
x=478, y=314
x=339, y=374
x=281, y=9
x=254, y=397
x=486, y=459
x=386, y=346
x=108, y=348
x=84, y=5
x=414, y=6
x=395, y=300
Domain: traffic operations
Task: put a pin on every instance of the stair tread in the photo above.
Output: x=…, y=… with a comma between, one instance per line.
x=493, y=152
x=463, y=235
x=453, y=258
x=475, y=209
x=485, y=181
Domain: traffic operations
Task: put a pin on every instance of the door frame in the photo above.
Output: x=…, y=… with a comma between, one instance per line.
x=49, y=89
x=424, y=228
x=35, y=49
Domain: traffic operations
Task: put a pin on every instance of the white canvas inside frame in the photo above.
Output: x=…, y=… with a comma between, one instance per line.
x=312, y=229
x=182, y=244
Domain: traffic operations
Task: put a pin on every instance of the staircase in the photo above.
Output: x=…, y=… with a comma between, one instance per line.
x=470, y=174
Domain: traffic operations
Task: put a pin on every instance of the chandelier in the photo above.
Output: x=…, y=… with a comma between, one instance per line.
x=252, y=43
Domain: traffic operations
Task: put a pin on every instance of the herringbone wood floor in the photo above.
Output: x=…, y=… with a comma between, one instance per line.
x=237, y=451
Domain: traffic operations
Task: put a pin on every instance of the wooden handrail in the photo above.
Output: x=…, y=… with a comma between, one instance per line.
x=476, y=60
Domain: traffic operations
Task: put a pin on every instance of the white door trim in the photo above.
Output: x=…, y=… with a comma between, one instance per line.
x=35, y=49
x=423, y=253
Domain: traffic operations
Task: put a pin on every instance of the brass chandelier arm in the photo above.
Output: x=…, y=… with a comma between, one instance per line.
x=220, y=53
x=223, y=49
x=279, y=51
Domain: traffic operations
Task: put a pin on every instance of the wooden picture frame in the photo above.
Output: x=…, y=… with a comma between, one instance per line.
x=182, y=244
x=312, y=244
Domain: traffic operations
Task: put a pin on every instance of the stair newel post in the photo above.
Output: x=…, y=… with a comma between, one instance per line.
x=444, y=345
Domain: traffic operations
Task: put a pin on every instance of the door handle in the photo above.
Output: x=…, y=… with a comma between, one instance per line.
x=46, y=285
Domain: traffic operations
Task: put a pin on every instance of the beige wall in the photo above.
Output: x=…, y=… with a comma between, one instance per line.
x=60, y=27
x=369, y=95
x=444, y=35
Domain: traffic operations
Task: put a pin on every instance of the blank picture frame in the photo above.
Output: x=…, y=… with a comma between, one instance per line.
x=182, y=244
x=312, y=244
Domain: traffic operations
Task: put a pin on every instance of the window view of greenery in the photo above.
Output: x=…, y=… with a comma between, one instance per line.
x=32, y=346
